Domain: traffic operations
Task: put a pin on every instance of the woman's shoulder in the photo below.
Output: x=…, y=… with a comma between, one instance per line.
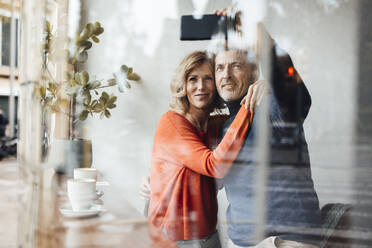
x=172, y=115
x=173, y=119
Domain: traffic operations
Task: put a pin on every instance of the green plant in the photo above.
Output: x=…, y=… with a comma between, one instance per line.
x=84, y=91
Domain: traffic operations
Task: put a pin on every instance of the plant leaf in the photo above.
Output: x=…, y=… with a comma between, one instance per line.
x=96, y=25
x=77, y=77
x=84, y=45
x=69, y=75
x=134, y=76
x=82, y=57
x=124, y=69
x=47, y=26
x=52, y=87
x=111, y=106
x=94, y=103
x=86, y=32
x=112, y=100
x=84, y=77
x=95, y=39
x=42, y=92
x=98, y=107
x=98, y=31
x=87, y=97
x=83, y=115
x=73, y=82
x=107, y=113
x=105, y=97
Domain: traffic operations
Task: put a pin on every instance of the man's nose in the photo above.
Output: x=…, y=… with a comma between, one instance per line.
x=226, y=72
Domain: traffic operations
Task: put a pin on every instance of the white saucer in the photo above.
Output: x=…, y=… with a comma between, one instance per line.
x=99, y=193
x=94, y=210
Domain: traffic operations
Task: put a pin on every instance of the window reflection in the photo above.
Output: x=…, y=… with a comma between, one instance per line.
x=293, y=168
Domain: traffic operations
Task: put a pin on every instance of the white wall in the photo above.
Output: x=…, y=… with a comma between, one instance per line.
x=319, y=35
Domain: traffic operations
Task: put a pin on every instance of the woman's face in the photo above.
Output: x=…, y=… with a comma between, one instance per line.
x=200, y=87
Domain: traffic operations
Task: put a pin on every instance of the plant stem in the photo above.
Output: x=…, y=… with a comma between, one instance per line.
x=71, y=118
x=73, y=111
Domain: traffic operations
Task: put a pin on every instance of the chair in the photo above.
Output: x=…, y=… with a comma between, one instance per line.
x=336, y=220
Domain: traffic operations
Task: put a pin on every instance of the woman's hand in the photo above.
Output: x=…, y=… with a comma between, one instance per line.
x=145, y=190
x=256, y=92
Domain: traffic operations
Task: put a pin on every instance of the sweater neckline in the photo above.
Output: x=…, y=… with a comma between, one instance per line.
x=234, y=106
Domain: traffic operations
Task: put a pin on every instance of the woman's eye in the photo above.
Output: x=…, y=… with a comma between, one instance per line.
x=208, y=78
x=237, y=66
x=193, y=79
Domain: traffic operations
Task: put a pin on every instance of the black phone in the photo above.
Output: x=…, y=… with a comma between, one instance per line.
x=204, y=28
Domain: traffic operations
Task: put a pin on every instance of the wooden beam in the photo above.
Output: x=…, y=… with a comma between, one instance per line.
x=7, y=6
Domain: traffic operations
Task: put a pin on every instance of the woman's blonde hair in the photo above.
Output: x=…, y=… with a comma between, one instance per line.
x=178, y=85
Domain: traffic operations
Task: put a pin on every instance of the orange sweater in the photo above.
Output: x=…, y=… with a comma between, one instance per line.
x=183, y=194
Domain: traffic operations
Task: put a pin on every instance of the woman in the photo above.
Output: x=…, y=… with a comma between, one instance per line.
x=183, y=193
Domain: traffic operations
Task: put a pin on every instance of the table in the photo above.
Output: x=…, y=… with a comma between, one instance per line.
x=121, y=226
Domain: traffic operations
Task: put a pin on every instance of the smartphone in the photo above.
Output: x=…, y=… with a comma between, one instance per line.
x=204, y=28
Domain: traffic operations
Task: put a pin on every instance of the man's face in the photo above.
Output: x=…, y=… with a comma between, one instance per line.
x=232, y=75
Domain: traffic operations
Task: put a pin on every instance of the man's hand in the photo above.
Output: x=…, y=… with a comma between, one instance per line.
x=229, y=11
x=145, y=190
x=256, y=92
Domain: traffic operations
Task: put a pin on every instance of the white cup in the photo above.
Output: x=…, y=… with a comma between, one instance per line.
x=85, y=173
x=81, y=193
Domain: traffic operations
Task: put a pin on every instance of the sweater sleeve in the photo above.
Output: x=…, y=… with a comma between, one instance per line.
x=177, y=141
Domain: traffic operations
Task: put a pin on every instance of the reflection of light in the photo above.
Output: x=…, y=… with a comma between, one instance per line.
x=278, y=7
x=330, y=5
x=253, y=12
x=290, y=71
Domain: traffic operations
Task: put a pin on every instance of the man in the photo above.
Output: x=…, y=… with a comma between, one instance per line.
x=3, y=123
x=292, y=207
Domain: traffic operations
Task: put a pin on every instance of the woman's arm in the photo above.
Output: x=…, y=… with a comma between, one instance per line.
x=177, y=142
